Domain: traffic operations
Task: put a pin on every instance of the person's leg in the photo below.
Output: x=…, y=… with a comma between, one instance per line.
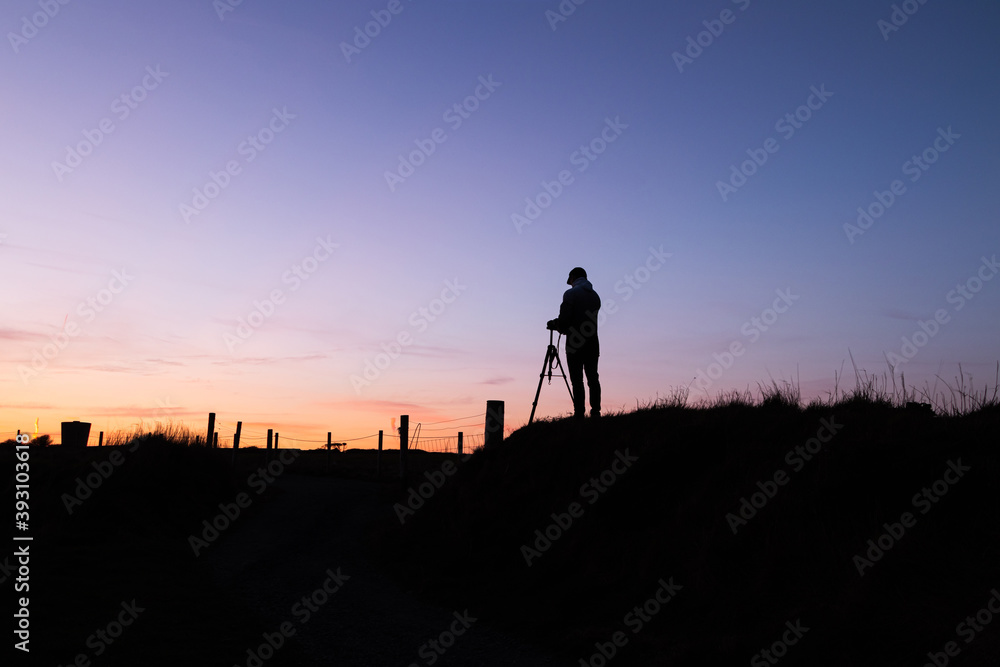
x=594, y=385
x=574, y=363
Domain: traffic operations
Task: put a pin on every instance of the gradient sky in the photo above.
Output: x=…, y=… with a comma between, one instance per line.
x=198, y=82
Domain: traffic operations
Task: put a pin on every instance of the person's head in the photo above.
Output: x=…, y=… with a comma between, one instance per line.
x=574, y=274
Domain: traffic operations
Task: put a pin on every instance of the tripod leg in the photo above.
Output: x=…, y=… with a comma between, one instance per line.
x=541, y=379
x=565, y=378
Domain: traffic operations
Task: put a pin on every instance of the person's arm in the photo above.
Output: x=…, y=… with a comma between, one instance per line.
x=563, y=323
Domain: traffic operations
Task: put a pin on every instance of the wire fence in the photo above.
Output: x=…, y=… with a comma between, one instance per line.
x=250, y=437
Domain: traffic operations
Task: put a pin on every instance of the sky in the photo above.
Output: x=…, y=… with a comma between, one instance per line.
x=316, y=217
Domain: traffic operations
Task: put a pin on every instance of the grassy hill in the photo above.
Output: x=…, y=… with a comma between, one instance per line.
x=525, y=534
x=856, y=532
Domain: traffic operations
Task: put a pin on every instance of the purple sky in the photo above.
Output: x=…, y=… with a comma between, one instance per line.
x=171, y=168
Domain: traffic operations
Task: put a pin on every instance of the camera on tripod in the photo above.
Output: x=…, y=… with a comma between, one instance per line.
x=551, y=325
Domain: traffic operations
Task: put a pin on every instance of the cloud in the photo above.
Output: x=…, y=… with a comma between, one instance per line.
x=498, y=380
x=260, y=361
x=18, y=334
x=898, y=314
x=432, y=351
x=385, y=407
x=143, y=412
x=165, y=362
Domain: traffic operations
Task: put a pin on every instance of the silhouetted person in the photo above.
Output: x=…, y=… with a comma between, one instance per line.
x=578, y=322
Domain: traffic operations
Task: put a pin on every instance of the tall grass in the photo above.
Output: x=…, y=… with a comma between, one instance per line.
x=961, y=395
x=160, y=433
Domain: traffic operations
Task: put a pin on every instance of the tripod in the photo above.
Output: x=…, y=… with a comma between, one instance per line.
x=551, y=362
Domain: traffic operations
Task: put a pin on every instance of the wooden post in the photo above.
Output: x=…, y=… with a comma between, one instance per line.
x=494, y=423
x=236, y=441
x=378, y=457
x=329, y=443
x=404, y=444
x=211, y=429
x=459, y=443
x=267, y=452
x=197, y=441
x=215, y=440
x=100, y=439
x=275, y=440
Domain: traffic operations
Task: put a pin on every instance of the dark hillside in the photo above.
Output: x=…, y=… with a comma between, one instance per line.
x=791, y=559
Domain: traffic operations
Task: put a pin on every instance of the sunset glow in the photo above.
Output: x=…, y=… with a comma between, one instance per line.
x=317, y=217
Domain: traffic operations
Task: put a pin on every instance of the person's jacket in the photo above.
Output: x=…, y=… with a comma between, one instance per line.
x=578, y=318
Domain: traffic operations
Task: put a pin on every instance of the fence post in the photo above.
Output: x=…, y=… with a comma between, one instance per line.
x=211, y=430
x=267, y=452
x=215, y=440
x=494, y=423
x=378, y=457
x=276, y=441
x=100, y=439
x=459, y=443
x=236, y=441
x=404, y=444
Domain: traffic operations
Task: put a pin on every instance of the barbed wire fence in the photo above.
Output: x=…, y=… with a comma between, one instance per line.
x=471, y=427
x=427, y=437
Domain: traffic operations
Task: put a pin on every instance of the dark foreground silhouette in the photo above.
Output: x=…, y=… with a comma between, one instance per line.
x=859, y=534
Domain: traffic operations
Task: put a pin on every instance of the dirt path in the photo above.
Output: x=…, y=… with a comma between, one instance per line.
x=268, y=561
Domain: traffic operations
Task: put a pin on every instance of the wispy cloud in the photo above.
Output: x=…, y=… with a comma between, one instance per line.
x=498, y=380
x=260, y=361
x=372, y=405
x=18, y=334
x=899, y=314
x=143, y=412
